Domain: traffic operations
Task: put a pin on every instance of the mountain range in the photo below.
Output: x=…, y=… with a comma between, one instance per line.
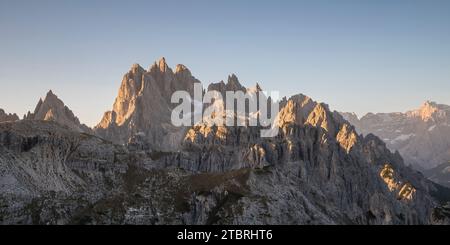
x=422, y=136
x=135, y=167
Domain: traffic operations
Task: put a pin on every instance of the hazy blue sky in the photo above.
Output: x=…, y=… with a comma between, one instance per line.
x=359, y=56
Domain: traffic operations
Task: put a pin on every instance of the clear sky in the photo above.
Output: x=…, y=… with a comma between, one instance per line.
x=361, y=56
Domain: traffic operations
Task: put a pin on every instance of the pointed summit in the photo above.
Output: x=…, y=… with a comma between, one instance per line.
x=258, y=87
x=136, y=68
x=49, y=97
x=53, y=109
x=6, y=117
x=233, y=83
x=232, y=79
x=162, y=64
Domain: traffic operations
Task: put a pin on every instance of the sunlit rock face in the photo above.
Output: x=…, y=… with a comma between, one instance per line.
x=143, y=106
x=7, y=117
x=53, y=109
x=404, y=190
x=421, y=136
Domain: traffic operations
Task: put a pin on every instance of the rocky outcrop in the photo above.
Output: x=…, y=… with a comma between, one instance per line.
x=5, y=117
x=404, y=190
x=53, y=109
x=421, y=136
x=143, y=106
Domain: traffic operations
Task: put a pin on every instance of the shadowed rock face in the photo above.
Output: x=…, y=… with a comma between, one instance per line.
x=53, y=109
x=317, y=170
x=5, y=117
x=421, y=136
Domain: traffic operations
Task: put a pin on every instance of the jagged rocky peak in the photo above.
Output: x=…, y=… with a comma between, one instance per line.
x=143, y=105
x=295, y=110
x=182, y=72
x=320, y=117
x=430, y=110
x=301, y=110
x=6, y=117
x=233, y=84
x=134, y=84
x=45, y=109
x=53, y=109
x=161, y=66
x=219, y=87
x=131, y=85
x=136, y=69
x=180, y=68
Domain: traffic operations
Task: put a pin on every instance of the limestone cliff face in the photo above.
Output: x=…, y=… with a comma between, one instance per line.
x=143, y=106
x=5, y=117
x=421, y=136
x=53, y=109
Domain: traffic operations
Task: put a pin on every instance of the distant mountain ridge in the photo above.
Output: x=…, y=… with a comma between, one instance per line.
x=422, y=136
